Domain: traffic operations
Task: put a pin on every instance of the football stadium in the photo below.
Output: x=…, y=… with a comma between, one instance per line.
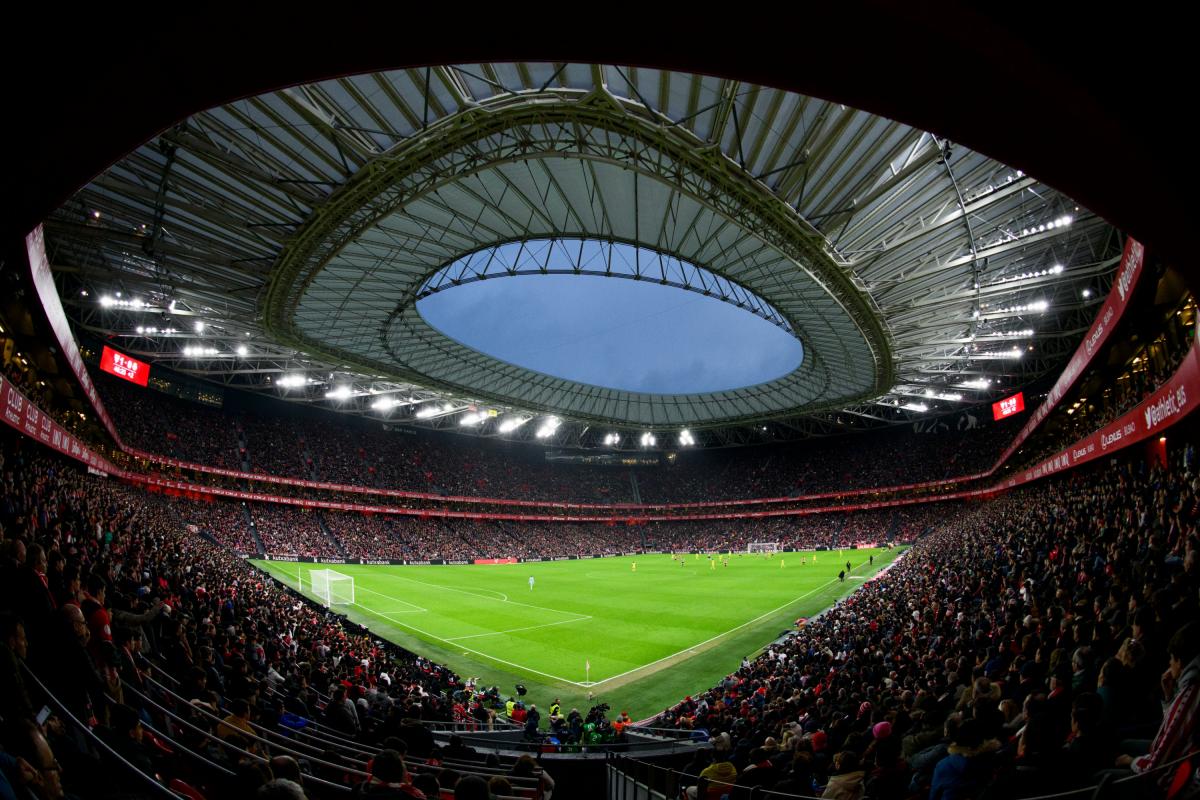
x=499, y=418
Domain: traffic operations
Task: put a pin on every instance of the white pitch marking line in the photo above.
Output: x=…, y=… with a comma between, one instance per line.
x=719, y=635
x=397, y=599
x=514, y=630
x=505, y=600
x=469, y=650
x=389, y=614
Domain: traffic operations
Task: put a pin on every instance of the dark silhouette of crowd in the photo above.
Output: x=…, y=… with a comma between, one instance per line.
x=1029, y=645
x=358, y=452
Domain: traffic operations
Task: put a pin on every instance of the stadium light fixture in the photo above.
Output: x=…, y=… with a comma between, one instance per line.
x=510, y=424
x=1086, y=293
x=338, y=393
x=242, y=351
x=290, y=381
x=385, y=403
x=685, y=438
x=199, y=352
x=427, y=412
x=612, y=439
x=473, y=418
x=549, y=426
x=648, y=439
x=915, y=407
x=199, y=327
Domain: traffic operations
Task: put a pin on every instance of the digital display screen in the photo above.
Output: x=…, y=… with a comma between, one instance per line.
x=124, y=366
x=1009, y=406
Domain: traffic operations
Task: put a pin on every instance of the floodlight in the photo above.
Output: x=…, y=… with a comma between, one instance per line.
x=512, y=423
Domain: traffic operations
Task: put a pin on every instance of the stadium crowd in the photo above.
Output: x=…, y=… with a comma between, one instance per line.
x=286, y=530
x=1028, y=645
x=298, y=531
x=355, y=452
x=168, y=651
x=1025, y=645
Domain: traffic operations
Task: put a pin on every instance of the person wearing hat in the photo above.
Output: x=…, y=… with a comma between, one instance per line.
x=890, y=776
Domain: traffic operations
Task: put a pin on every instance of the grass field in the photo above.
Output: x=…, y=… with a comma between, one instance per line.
x=650, y=636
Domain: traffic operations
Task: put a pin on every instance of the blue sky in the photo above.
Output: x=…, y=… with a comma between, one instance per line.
x=614, y=332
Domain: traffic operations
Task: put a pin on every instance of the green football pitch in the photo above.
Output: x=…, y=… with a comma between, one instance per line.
x=594, y=630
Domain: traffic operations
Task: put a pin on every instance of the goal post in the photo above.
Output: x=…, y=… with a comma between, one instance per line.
x=332, y=587
x=769, y=548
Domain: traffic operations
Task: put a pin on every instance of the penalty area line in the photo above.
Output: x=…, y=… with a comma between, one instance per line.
x=503, y=597
x=416, y=608
x=480, y=653
x=514, y=630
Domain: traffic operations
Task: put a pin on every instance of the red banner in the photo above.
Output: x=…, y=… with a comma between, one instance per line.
x=1166, y=406
x=43, y=284
x=1102, y=327
x=441, y=513
x=1008, y=406
x=126, y=367
x=24, y=416
x=496, y=501
x=1174, y=400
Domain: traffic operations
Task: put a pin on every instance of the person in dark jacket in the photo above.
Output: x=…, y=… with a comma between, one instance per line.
x=967, y=766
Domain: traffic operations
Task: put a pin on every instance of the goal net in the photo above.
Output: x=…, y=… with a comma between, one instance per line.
x=332, y=587
x=763, y=547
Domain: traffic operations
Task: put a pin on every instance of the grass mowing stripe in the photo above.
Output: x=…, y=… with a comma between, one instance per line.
x=516, y=630
x=719, y=635
x=503, y=597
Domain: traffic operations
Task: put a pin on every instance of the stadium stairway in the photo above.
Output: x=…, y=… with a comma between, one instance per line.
x=329, y=534
x=633, y=487
x=258, y=542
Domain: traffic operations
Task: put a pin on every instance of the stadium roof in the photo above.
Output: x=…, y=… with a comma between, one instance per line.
x=299, y=228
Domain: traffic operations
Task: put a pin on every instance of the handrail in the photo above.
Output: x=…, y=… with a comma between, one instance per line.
x=159, y=789
x=1096, y=790
x=190, y=752
x=214, y=737
x=265, y=730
